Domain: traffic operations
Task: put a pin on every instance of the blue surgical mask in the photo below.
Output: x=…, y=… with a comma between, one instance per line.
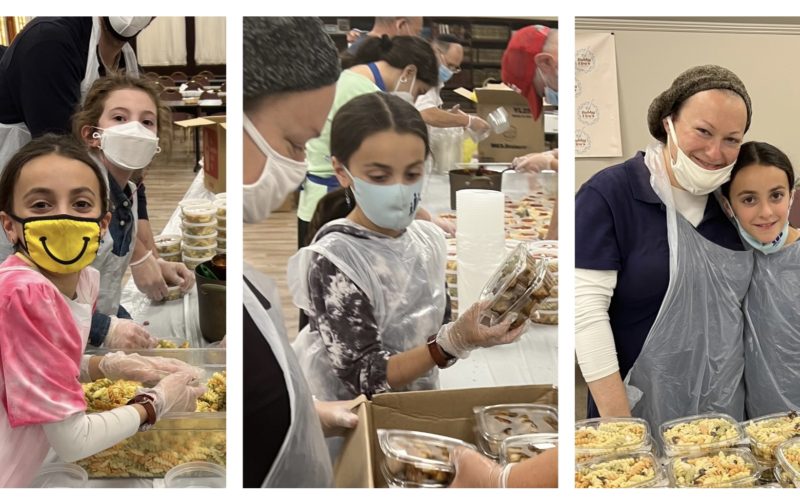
x=551, y=96
x=445, y=73
x=766, y=248
x=388, y=206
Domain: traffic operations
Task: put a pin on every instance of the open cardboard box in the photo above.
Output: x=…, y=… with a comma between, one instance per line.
x=445, y=412
x=214, y=149
x=525, y=135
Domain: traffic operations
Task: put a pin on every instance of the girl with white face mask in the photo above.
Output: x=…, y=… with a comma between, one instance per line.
x=759, y=197
x=54, y=210
x=120, y=122
x=373, y=283
x=660, y=275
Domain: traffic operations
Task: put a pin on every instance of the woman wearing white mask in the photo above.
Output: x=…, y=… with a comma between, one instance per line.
x=759, y=196
x=660, y=279
x=119, y=122
x=373, y=283
x=290, y=72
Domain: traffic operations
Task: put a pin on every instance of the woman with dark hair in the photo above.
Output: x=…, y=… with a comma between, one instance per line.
x=758, y=197
x=48, y=291
x=404, y=65
x=373, y=283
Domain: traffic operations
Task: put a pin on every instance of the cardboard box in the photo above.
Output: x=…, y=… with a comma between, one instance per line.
x=526, y=135
x=446, y=412
x=214, y=149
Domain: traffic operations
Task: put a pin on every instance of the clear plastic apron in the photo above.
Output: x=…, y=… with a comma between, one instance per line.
x=403, y=278
x=693, y=358
x=303, y=459
x=772, y=334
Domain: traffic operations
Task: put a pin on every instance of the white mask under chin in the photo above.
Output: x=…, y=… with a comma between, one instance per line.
x=691, y=176
x=129, y=146
x=280, y=177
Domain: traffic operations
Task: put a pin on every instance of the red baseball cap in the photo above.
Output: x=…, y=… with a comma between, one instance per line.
x=519, y=66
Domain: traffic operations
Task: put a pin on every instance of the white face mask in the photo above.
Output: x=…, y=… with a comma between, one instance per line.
x=130, y=146
x=129, y=27
x=691, y=176
x=280, y=177
x=405, y=95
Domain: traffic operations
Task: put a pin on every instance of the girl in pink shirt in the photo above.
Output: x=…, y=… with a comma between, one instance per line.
x=54, y=209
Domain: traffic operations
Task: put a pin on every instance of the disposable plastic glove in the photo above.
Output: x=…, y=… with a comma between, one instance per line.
x=466, y=333
x=145, y=369
x=473, y=470
x=175, y=393
x=335, y=416
x=176, y=273
x=127, y=334
x=148, y=278
x=535, y=162
x=445, y=225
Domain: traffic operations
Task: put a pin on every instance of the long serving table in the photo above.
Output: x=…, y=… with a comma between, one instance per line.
x=533, y=359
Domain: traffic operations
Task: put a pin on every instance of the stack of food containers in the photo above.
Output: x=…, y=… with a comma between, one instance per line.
x=221, y=202
x=497, y=423
x=169, y=247
x=199, y=231
x=766, y=433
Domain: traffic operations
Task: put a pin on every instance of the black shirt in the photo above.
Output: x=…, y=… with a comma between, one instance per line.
x=266, y=402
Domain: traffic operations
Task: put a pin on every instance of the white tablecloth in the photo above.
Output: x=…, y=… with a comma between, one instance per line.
x=533, y=359
x=177, y=318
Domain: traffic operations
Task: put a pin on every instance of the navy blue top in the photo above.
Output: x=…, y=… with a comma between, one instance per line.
x=623, y=227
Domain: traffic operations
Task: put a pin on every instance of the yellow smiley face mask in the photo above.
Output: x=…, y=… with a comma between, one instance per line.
x=61, y=244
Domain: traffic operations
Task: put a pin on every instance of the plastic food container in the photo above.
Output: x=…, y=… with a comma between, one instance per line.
x=221, y=245
x=701, y=433
x=518, y=448
x=516, y=288
x=198, y=211
x=168, y=243
x=632, y=470
x=788, y=455
x=195, y=475
x=191, y=263
x=596, y=437
x=202, y=229
x=768, y=432
x=60, y=475
x=171, y=257
x=174, y=293
x=205, y=252
x=222, y=221
x=205, y=240
x=545, y=317
x=721, y=468
x=498, y=120
x=497, y=422
x=221, y=206
x=783, y=478
x=417, y=459
x=221, y=196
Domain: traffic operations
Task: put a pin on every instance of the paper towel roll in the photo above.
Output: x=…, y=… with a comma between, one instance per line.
x=480, y=241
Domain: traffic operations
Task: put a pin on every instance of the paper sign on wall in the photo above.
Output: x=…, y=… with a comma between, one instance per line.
x=597, y=127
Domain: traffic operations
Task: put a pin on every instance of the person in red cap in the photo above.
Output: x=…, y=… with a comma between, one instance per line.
x=530, y=63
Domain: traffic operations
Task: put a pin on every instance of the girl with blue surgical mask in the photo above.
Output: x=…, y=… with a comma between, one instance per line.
x=759, y=198
x=373, y=283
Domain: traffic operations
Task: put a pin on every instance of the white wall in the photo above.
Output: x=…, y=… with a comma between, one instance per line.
x=650, y=54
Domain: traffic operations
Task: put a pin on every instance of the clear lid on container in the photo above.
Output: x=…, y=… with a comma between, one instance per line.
x=198, y=224
x=526, y=446
x=60, y=475
x=195, y=475
x=497, y=422
x=774, y=428
x=700, y=433
x=515, y=286
x=221, y=196
x=719, y=468
x=187, y=238
x=421, y=449
x=611, y=435
x=166, y=239
x=622, y=470
x=788, y=455
x=195, y=203
x=198, y=249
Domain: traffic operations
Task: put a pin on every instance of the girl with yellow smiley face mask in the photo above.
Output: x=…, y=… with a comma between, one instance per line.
x=47, y=294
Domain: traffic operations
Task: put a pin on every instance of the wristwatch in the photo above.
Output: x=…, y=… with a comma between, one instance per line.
x=147, y=402
x=441, y=357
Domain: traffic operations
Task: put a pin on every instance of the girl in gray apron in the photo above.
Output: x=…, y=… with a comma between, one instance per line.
x=772, y=319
